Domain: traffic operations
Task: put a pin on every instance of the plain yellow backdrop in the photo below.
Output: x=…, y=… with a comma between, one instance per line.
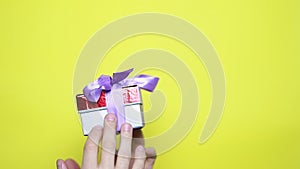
x=258, y=44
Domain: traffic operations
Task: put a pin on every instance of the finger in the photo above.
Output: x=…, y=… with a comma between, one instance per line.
x=151, y=156
x=138, y=139
x=124, y=154
x=91, y=148
x=139, y=159
x=108, y=142
x=60, y=164
x=71, y=164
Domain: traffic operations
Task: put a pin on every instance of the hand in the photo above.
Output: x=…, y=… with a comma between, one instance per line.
x=131, y=154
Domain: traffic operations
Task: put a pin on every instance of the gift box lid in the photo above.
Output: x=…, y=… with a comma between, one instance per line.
x=131, y=95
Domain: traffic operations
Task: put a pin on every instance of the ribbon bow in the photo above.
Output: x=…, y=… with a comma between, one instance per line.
x=113, y=85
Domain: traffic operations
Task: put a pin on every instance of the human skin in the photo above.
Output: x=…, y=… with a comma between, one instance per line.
x=131, y=153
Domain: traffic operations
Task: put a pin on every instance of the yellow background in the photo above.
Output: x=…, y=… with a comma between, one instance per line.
x=258, y=44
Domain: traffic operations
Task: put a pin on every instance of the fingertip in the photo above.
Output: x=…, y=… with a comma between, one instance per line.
x=150, y=152
x=151, y=157
x=126, y=128
x=110, y=117
x=110, y=121
x=95, y=134
x=140, y=152
x=140, y=148
x=59, y=163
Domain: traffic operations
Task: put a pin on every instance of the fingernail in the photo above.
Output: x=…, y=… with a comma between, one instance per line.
x=64, y=166
x=110, y=117
x=140, y=148
x=126, y=127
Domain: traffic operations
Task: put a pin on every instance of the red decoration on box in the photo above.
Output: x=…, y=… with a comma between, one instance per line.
x=131, y=95
x=102, y=100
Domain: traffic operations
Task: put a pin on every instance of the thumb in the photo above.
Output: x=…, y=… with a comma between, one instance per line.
x=71, y=164
x=60, y=164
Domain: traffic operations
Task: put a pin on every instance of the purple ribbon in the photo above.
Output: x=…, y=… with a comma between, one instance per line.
x=112, y=86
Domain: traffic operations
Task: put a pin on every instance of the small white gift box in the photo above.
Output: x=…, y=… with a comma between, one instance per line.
x=93, y=114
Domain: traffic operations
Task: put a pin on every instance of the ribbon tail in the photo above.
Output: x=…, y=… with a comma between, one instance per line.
x=115, y=104
x=146, y=82
x=119, y=76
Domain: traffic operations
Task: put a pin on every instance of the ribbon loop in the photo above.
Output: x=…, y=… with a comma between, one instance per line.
x=93, y=90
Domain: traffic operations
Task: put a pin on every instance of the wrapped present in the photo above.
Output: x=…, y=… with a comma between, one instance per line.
x=117, y=95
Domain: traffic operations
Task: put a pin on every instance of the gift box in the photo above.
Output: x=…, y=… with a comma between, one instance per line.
x=93, y=113
x=116, y=95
